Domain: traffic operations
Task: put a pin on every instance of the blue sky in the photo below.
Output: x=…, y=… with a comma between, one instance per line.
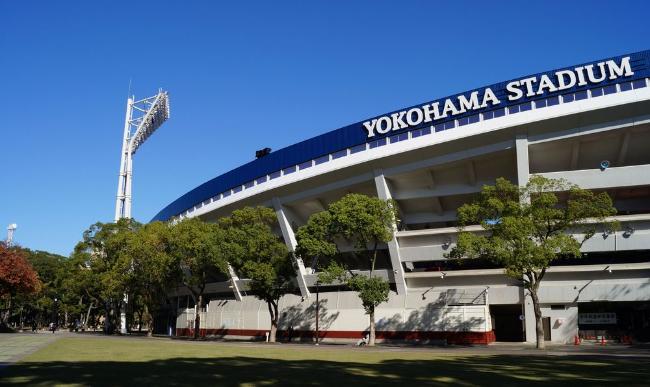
x=243, y=76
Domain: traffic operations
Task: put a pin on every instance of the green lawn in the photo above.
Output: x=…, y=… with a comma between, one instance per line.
x=119, y=361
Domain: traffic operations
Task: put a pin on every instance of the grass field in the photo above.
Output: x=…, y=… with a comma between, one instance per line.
x=97, y=361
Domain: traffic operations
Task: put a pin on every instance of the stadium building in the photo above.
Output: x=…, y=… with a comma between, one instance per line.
x=589, y=124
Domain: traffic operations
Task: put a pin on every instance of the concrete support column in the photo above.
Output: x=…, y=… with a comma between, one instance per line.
x=523, y=175
x=383, y=191
x=486, y=310
x=233, y=282
x=290, y=240
x=523, y=166
x=529, y=318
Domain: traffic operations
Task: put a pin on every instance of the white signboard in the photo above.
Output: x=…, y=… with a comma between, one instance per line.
x=596, y=318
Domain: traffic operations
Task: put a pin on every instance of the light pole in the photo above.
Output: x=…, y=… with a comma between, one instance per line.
x=55, y=315
x=142, y=119
x=317, y=308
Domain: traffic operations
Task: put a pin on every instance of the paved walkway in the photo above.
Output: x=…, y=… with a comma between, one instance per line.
x=15, y=346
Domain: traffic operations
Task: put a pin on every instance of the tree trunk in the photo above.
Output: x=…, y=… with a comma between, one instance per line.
x=107, y=318
x=150, y=322
x=539, y=327
x=90, y=307
x=5, y=315
x=81, y=313
x=273, y=311
x=150, y=328
x=273, y=333
x=371, y=339
x=374, y=259
x=197, y=316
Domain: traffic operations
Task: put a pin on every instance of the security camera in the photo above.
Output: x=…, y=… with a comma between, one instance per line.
x=628, y=231
x=604, y=165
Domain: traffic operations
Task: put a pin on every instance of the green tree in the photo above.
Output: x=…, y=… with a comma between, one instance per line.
x=365, y=222
x=197, y=250
x=529, y=227
x=83, y=280
x=52, y=271
x=149, y=269
x=258, y=254
x=99, y=253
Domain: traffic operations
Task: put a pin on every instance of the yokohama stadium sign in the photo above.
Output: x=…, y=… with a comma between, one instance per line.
x=516, y=91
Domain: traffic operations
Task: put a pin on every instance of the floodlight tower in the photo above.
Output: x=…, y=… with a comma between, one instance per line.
x=10, y=233
x=143, y=117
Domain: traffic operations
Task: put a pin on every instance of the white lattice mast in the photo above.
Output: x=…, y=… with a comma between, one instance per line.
x=10, y=233
x=143, y=117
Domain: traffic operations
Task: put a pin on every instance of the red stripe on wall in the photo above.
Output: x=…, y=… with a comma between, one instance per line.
x=450, y=337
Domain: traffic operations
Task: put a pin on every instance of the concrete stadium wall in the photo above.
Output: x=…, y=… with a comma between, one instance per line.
x=434, y=314
x=342, y=318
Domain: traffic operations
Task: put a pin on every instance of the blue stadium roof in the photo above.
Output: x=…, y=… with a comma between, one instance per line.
x=356, y=134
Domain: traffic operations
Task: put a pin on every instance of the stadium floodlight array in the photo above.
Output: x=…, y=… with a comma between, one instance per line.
x=143, y=117
x=152, y=119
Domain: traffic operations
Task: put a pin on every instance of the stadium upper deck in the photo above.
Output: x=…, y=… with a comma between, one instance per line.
x=541, y=90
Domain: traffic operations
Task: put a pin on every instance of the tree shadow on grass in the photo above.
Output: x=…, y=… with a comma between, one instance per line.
x=501, y=370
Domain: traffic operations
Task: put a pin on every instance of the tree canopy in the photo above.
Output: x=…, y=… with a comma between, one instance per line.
x=197, y=247
x=17, y=277
x=16, y=274
x=526, y=228
x=98, y=257
x=261, y=256
x=149, y=268
x=365, y=223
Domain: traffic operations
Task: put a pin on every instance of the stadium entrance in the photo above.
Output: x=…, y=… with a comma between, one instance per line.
x=616, y=321
x=507, y=323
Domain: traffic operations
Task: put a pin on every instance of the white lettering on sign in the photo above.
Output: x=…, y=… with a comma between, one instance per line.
x=529, y=87
x=431, y=112
x=565, y=79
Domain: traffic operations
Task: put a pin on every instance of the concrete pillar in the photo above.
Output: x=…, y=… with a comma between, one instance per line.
x=290, y=240
x=486, y=310
x=523, y=166
x=233, y=283
x=523, y=175
x=383, y=192
x=529, y=318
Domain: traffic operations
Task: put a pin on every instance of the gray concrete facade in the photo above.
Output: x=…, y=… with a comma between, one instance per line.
x=429, y=177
